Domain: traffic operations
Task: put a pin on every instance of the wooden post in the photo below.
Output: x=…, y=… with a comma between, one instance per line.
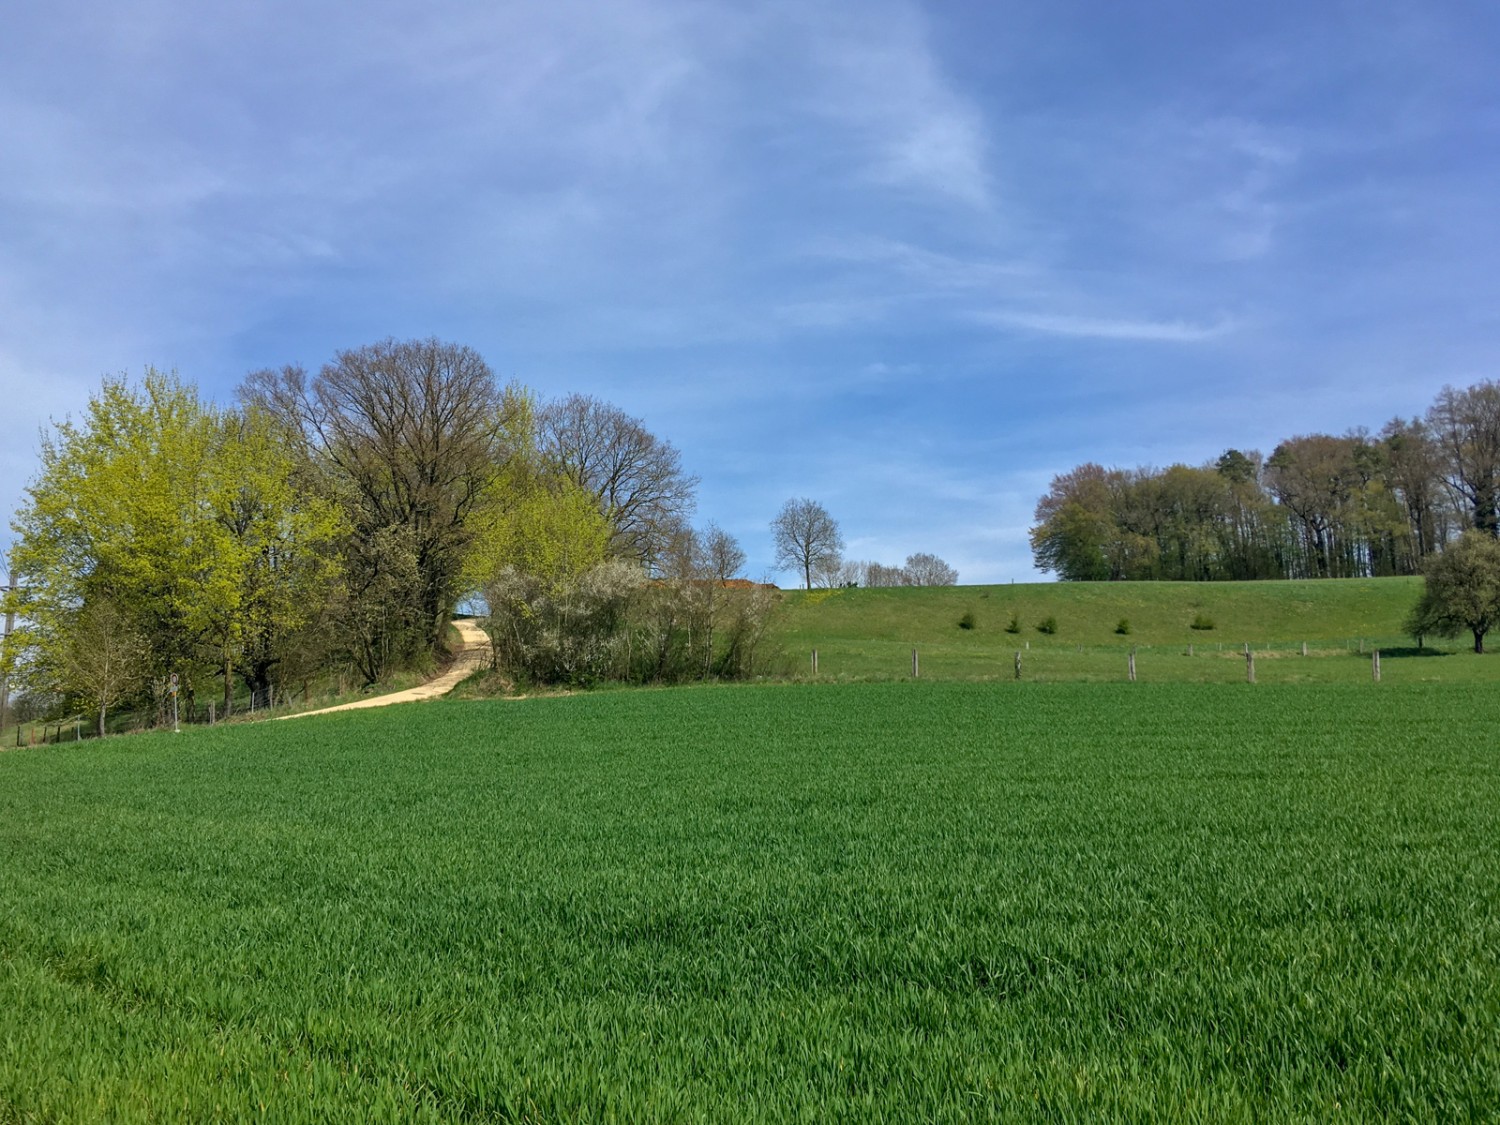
x=1249, y=665
x=1190, y=649
x=1247, y=648
x=815, y=662
x=1018, y=665
x=1375, y=665
x=915, y=667
x=1132, y=664
x=1304, y=648
x=210, y=712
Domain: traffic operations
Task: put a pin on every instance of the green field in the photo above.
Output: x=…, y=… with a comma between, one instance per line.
x=869, y=634
x=897, y=902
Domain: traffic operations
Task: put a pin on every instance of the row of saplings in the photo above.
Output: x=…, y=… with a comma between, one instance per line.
x=613, y=623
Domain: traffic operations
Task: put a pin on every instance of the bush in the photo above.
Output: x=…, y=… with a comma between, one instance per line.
x=1047, y=625
x=1015, y=623
x=966, y=621
x=1202, y=621
x=1123, y=628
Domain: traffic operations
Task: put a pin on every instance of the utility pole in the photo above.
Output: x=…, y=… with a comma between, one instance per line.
x=10, y=627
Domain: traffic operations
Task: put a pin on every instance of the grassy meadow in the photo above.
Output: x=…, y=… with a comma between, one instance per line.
x=889, y=902
x=869, y=634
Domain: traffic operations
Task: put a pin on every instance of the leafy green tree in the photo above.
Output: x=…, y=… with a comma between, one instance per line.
x=1462, y=591
x=276, y=538
x=159, y=518
x=120, y=512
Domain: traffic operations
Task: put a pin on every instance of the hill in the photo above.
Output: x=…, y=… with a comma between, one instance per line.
x=869, y=633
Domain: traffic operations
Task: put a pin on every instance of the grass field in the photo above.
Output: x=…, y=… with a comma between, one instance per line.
x=893, y=902
x=870, y=634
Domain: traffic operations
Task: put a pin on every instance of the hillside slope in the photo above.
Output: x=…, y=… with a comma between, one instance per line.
x=869, y=633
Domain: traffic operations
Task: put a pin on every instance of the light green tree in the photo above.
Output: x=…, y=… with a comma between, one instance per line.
x=182, y=519
x=1462, y=592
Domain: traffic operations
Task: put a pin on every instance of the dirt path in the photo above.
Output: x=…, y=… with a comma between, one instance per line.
x=473, y=652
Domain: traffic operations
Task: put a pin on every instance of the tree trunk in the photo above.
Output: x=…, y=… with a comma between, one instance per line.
x=99, y=726
x=1479, y=642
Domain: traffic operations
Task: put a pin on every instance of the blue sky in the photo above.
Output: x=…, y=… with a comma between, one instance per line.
x=909, y=259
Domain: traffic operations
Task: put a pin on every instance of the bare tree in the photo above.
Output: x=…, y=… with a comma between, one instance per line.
x=1466, y=426
x=923, y=569
x=104, y=657
x=807, y=538
x=880, y=575
x=722, y=553
x=409, y=434
x=636, y=476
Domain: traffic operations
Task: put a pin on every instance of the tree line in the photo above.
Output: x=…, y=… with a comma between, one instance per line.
x=335, y=520
x=1320, y=506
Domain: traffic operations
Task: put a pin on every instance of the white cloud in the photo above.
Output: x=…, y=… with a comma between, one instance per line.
x=878, y=77
x=1101, y=328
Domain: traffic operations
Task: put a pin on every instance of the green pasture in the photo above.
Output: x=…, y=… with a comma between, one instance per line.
x=887, y=902
x=869, y=634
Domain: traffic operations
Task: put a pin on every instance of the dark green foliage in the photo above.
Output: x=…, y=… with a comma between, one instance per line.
x=1123, y=627
x=1015, y=622
x=967, y=620
x=890, y=902
x=1047, y=625
x=1202, y=622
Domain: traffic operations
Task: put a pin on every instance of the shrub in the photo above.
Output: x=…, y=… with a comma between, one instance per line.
x=1202, y=621
x=1015, y=623
x=966, y=621
x=1123, y=628
x=1047, y=625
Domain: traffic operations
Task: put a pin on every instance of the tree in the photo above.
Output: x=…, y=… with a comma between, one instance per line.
x=923, y=569
x=1466, y=427
x=1414, y=473
x=411, y=437
x=1316, y=478
x=103, y=658
x=722, y=553
x=122, y=512
x=635, y=477
x=1462, y=591
x=807, y=538
x=161, y=519
x=277, y=537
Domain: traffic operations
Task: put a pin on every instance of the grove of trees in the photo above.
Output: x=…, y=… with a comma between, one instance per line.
x=331, y=523
x=1320, y=506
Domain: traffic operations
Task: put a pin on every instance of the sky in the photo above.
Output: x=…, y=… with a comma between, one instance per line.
x=910, y=260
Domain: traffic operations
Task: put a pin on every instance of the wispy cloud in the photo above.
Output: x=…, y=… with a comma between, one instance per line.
x=877, y=75
x=1099, y=328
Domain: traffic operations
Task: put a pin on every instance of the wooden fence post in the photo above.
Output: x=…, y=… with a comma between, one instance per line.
x=815, y=662
x=1249, y=665
x=1375, y=665
x=1132, y=664
x=1018, y=665
x=915, y=667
